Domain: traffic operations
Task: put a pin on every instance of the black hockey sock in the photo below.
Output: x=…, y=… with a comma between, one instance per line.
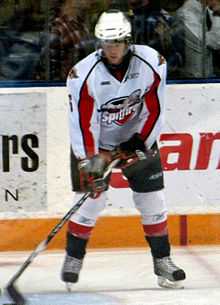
x=160, y=246
x=76, y=246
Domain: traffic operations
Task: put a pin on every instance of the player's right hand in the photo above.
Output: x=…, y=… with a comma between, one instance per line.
x=92, y=175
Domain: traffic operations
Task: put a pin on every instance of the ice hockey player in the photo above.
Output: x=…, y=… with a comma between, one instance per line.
x=117, y=110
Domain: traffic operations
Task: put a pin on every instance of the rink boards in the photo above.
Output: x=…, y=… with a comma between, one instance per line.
x=34, y=166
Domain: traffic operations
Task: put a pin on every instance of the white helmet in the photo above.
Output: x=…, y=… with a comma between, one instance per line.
x=113, y=25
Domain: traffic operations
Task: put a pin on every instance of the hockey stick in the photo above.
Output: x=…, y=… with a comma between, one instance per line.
x=11, y=289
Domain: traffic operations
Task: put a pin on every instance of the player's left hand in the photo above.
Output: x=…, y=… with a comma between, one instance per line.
x=129, y=148
x=133, y=150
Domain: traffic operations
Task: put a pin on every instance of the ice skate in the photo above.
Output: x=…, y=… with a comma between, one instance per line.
x=169, y=275
x=70, y=271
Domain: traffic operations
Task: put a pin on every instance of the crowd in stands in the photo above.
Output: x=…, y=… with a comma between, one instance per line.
x=40, y=46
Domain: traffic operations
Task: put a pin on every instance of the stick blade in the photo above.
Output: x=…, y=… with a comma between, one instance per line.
x=15, y=295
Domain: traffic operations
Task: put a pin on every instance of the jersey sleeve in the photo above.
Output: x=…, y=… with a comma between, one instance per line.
x=83, y=122
x=154, y=100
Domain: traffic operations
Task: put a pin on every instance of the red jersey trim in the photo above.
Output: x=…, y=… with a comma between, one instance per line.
x=86, y=108
x=153, y=105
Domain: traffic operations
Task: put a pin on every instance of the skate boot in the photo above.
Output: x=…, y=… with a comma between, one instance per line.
x=169, y=275
x=71, y=269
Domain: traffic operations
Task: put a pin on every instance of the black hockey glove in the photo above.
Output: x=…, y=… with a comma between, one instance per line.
x=133, y=144
x=132, y=147
x=91, y=175
x=134, y=150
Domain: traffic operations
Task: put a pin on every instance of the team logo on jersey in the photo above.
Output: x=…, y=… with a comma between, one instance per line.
x=121, y=110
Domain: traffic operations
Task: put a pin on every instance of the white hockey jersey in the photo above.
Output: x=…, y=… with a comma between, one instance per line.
x=105, y=111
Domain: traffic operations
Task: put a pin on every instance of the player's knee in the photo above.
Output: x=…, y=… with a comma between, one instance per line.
x=91, y=208
x=83, y=221
x=152, y=208
x=151, y=203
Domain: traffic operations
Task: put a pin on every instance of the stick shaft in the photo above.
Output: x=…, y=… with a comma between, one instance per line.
x=43, y=245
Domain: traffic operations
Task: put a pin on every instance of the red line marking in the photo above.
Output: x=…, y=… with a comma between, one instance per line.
x=183, y=230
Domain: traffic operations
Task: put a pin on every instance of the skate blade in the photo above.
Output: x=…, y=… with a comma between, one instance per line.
x=69, y=287
x=165, y=283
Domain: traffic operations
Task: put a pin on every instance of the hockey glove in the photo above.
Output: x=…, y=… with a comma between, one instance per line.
x=132, y=150
x=134, y=143
x=91, y=175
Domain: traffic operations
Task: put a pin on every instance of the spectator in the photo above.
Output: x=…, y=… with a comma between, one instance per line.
x=214, y=7
x=69, y=40
x=152, y=26
x=19, y=46
x=200, y=29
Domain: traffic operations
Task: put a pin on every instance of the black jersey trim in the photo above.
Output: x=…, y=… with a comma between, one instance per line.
x=147, y=63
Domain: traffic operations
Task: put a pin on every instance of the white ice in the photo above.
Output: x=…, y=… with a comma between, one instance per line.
x=115, y=277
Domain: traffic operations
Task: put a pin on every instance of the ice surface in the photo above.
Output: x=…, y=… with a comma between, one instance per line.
x=116, y=277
